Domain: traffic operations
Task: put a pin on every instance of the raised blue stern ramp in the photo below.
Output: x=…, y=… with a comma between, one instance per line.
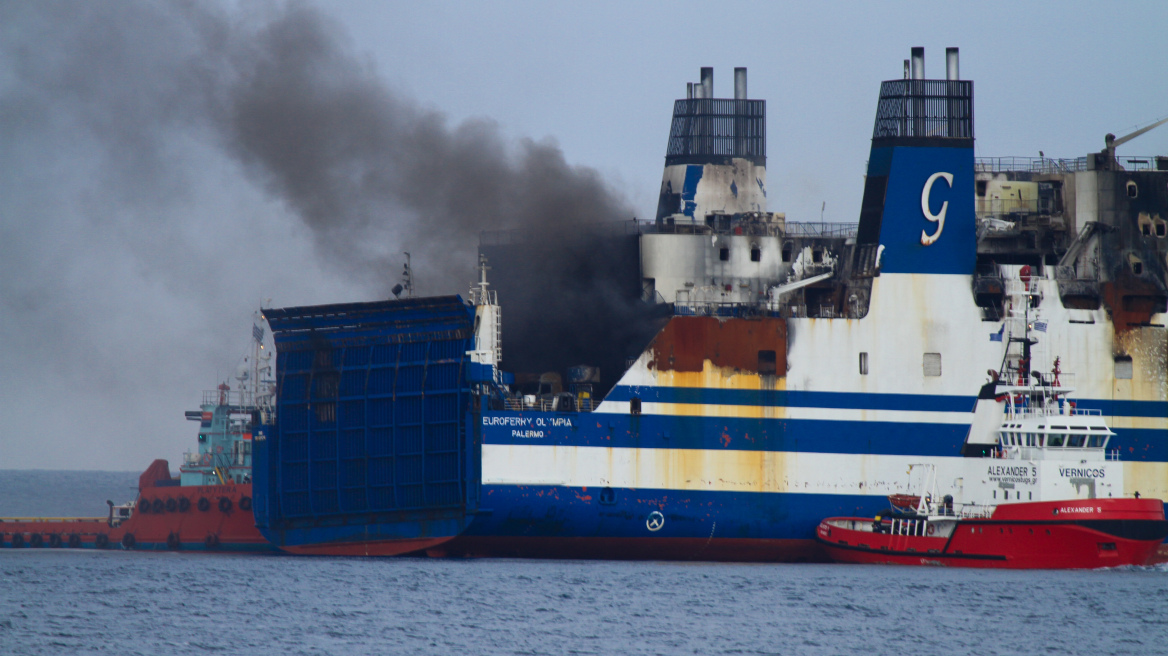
x=370, y=445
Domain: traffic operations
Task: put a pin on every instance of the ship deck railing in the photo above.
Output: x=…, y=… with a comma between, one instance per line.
x=1053, y=165
x=518, y=404
x=788, y=229
x=720, y=309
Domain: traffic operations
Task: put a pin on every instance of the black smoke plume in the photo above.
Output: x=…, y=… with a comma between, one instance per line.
x=122, y=126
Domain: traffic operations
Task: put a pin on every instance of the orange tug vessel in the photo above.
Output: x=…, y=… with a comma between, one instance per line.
x=208, y=508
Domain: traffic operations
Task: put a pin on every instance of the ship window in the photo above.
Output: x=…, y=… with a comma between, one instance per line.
x=1076, y=440
x=1123, y=367
x=724, y=254
x=863, y=363
x=1055, y=440
x=1132, y=190
x=787, y=251
x=932, y=364
x=755, y=254
x=981, y=188
x=1161, y=228
x=767, y=363
x=1095, y=441
x=817, y=256
x=635, y=405
x=202, y=437
x=1146, y=228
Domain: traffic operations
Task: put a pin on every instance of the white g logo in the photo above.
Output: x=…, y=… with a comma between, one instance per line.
x=939, y=219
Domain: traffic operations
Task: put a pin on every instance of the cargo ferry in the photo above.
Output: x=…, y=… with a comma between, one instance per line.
x=776, y=373
x=207, y=507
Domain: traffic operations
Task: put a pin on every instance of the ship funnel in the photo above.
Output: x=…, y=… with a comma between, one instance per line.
x=918, y=63
x=952, y=72
x=920, y=176
x=715, y=160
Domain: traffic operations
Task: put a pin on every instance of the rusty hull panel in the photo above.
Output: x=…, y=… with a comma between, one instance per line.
x=687, y=342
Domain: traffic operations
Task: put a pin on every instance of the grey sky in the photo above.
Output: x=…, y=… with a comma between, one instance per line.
x=143, y=216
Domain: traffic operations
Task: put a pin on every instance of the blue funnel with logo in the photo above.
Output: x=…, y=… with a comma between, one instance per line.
x=918, y=206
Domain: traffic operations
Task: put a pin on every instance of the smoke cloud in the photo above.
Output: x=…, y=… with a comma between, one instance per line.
x=168, y=167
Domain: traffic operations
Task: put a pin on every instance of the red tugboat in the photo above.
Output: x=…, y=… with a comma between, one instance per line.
x=1077, y=534
x=207, y=508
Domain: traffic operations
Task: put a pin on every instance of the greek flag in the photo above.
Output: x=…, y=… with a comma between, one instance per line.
x=1040, y=326
x=997, y=337
x=257, y=333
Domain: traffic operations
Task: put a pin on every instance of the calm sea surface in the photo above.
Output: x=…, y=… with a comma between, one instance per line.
x=82, y=602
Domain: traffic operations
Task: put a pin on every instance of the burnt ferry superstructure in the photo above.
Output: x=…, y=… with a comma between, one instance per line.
x=795, y=371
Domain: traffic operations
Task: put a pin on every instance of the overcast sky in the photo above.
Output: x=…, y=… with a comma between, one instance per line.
x=165, y=169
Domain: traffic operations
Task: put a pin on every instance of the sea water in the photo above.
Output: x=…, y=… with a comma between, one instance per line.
x=81, y=602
